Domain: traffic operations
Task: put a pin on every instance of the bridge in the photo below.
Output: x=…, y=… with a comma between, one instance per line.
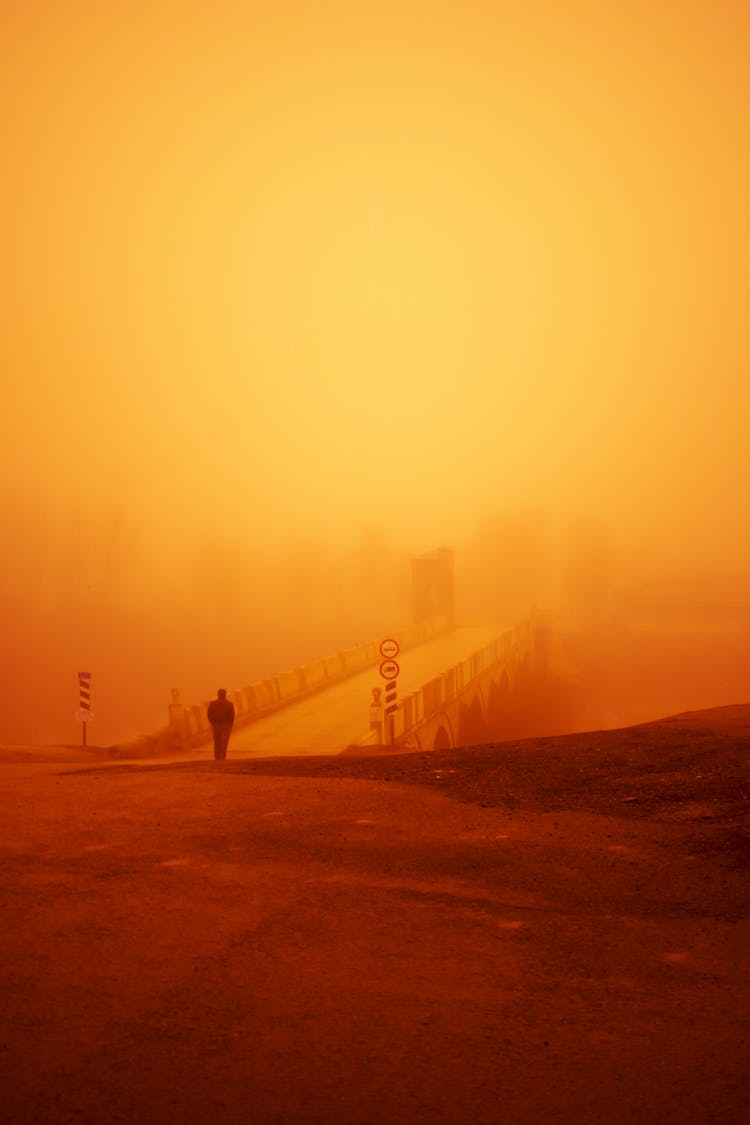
x=458, y=685
x=484, y=695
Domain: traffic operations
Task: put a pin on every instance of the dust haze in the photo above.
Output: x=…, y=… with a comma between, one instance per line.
x=293, y=293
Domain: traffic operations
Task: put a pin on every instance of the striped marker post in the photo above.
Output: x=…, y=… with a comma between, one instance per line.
x=376, y=714
x=389, y=670
x=390, y=706
x=84, y=700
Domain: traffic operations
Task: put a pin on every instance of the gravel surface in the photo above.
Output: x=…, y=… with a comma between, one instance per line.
x=547, y=930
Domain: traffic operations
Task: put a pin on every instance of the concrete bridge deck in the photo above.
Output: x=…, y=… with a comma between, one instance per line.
x=334, y=718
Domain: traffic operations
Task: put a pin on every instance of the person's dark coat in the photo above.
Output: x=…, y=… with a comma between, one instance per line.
x=220, y=713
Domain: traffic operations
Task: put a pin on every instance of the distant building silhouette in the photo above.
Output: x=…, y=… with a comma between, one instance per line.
x=432, y=585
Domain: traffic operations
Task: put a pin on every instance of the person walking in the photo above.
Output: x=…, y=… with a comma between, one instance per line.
x=221, y=718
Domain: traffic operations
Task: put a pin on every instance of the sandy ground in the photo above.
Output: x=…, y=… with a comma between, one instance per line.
x=540, y=931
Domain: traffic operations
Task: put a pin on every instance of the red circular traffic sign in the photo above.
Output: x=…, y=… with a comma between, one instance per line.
x=389, y=669
x=389, y=648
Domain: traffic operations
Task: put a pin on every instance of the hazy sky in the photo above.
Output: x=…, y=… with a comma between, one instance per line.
x=282, y=276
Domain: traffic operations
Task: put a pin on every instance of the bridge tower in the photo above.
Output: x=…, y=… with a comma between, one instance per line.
x=432, y=585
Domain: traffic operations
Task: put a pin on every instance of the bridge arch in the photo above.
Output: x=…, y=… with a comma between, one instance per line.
x=472, y=720
x=499, y=702
x=443, y=739
x=525, y=674
x=524, y=702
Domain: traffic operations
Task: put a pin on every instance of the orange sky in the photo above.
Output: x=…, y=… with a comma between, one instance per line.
x=279, y=273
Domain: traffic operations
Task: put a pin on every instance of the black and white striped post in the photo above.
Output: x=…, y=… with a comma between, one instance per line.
x=389, y=670
x=84, y=700
x=376, y=715
x=390, y=706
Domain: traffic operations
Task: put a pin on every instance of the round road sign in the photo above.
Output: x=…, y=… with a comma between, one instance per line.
x=389, y=648
x=389, y=669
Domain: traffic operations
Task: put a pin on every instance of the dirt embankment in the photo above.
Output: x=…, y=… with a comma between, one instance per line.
x=547, y=930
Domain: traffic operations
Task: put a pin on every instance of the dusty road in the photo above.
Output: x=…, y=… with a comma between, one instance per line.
x=549, y=930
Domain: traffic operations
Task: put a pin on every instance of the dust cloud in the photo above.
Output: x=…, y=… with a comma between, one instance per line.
x=295, y=292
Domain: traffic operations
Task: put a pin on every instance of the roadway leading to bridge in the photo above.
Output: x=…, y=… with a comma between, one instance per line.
x=330, y=720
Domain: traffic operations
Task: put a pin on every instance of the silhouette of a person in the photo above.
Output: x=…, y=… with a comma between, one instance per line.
x=221, y=718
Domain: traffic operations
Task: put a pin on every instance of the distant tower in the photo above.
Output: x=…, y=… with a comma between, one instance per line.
x=432, y=591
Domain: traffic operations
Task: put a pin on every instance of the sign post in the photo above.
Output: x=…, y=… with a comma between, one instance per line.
x=84, y=701
x=389, y=670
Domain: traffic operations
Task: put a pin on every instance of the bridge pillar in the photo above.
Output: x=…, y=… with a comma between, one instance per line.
x=176, y=716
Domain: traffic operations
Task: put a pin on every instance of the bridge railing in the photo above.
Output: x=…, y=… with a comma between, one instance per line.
x=419, y=706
